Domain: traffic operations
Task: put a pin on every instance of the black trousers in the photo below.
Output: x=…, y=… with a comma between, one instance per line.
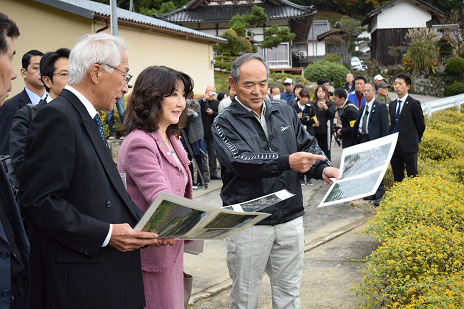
x=211, y=159
x=400, y=160
x=323, y=143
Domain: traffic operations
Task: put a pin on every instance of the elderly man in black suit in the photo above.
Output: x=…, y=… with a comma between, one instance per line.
x=83, y=248
x=372, y=123
x=14, y=247
x=407, y=118
x=34, y=91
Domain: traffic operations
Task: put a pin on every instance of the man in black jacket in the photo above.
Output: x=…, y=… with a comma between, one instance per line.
x=348, y=116
x=209, y=110
x=263, y=146
x=372, y=123
x=54, y=74
x=14, y=247
x=407, y=118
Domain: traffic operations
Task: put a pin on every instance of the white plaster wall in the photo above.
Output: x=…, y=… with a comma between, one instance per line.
x=316, y=48
x=404, y=14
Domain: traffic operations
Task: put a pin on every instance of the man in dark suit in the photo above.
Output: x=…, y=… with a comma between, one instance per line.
x=372, y=123
x=209, y=110
x=14, y=247
x=33, y=92
x=83, y=248
x=407, y=118
x=54, y=73
x=348, y=116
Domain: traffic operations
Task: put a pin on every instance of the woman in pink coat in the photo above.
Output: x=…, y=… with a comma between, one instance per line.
x=154, y=161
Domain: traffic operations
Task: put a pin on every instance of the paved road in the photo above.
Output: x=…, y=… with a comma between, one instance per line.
x=321, y=226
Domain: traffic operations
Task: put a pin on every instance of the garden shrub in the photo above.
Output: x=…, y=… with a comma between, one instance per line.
x=455, y=66
x=412, y=270
x=438, y=146
x=455, y=89
x=226, y=66
x=335, y=72
x=429, y=200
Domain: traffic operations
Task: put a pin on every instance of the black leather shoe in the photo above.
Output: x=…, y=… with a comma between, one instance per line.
x=377, y=202
x=369, y=198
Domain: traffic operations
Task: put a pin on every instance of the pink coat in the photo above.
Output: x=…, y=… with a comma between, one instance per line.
x=151, y=169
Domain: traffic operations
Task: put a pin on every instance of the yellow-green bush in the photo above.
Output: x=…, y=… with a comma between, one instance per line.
x=410, y=270
x=438, y=146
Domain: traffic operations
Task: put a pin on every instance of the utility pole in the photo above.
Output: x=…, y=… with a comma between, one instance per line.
x=114, y=17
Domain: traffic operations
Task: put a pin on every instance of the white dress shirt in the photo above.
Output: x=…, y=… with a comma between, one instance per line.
x=368, y=106
x=403, y=99
x=34, y=97
x=92, y=112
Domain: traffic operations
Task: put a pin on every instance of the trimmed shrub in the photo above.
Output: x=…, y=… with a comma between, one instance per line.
x=325, y=69
x=438, y=146
x=455, y=66
x=455, y=89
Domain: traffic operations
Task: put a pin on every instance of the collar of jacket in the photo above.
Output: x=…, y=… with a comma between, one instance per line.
x=239, y=111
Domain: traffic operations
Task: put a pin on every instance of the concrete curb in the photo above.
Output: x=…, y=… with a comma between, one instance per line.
x=218, y=288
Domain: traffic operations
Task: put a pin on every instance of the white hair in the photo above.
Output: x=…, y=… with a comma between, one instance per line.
x=100, y=48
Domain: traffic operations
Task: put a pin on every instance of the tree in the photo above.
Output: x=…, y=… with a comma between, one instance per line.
x=455, y=36
x=235, y=46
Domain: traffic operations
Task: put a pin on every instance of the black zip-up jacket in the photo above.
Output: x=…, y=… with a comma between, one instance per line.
x=255, y=166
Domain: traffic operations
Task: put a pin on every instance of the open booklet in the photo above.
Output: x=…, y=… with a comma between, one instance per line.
x=362, y=167
x=172, y=216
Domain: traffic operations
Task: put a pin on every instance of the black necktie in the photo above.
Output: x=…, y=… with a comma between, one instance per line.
x=397, y=117
x=100, y=128
x=364, y=121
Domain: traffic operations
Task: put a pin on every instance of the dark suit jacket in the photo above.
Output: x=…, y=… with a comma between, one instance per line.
x=411, y=125
x=11, y=211
x=377, y=126
x=21, y=123
x=349, y=114
x=70, y=192
x=208, y=119
x=309, y=112
x=7, y=113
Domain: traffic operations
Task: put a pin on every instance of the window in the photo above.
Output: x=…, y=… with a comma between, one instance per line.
x=276, y=57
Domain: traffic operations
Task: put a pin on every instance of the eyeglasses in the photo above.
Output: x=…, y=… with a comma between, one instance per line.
x=127, y=76
x=62, y=74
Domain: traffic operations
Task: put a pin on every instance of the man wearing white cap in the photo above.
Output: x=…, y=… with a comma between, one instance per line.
x=288, y=95
x=377, y=80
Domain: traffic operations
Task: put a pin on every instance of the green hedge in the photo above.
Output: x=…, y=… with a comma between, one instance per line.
x=336, y=72
x=420, y=226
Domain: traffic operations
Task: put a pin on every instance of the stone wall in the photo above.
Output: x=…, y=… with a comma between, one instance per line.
x=424, y=84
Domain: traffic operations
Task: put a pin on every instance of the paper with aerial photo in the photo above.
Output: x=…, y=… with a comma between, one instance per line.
x=362, y=168
x=262, y=202
x=172, y=216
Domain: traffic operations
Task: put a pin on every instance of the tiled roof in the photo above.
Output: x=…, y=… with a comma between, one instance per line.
x=317, y=28
x=89, y=8
x=223, y=13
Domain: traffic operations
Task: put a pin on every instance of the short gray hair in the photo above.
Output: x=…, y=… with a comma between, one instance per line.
x=235, y=70
x=91, y=49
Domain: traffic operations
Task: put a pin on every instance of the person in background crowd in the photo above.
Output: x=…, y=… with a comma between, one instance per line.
x=84, y=252
x=372, y=123
x=326, y=83
x=407, y=118
x=306, y=113
x=357, y=95
x=252, y=169
x=297, y=89
x=226, y=101
x=154, y=161
x=54, y=72
x=275, y=95
x=33, y=92
x=221, y=96
x=325, y=112
x=377, y=80
x=209, y=110
x=14, y=247
x=110, y=118
x=382, y=94
x=288, y=95
x=349, y=85
x=195, y=135
x=348, y=116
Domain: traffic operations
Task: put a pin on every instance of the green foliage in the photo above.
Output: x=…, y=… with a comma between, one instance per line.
x=235, y=46
x=220, y=81
x=243, y=23
x=455, y=89
x=281, y=77
x=226, y=66
x=455, y=66
x=275, y=35
x=332, y=58
x=422, y=54
x=334, y=71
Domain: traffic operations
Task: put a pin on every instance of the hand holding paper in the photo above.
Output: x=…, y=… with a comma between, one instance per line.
x=331, y=172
